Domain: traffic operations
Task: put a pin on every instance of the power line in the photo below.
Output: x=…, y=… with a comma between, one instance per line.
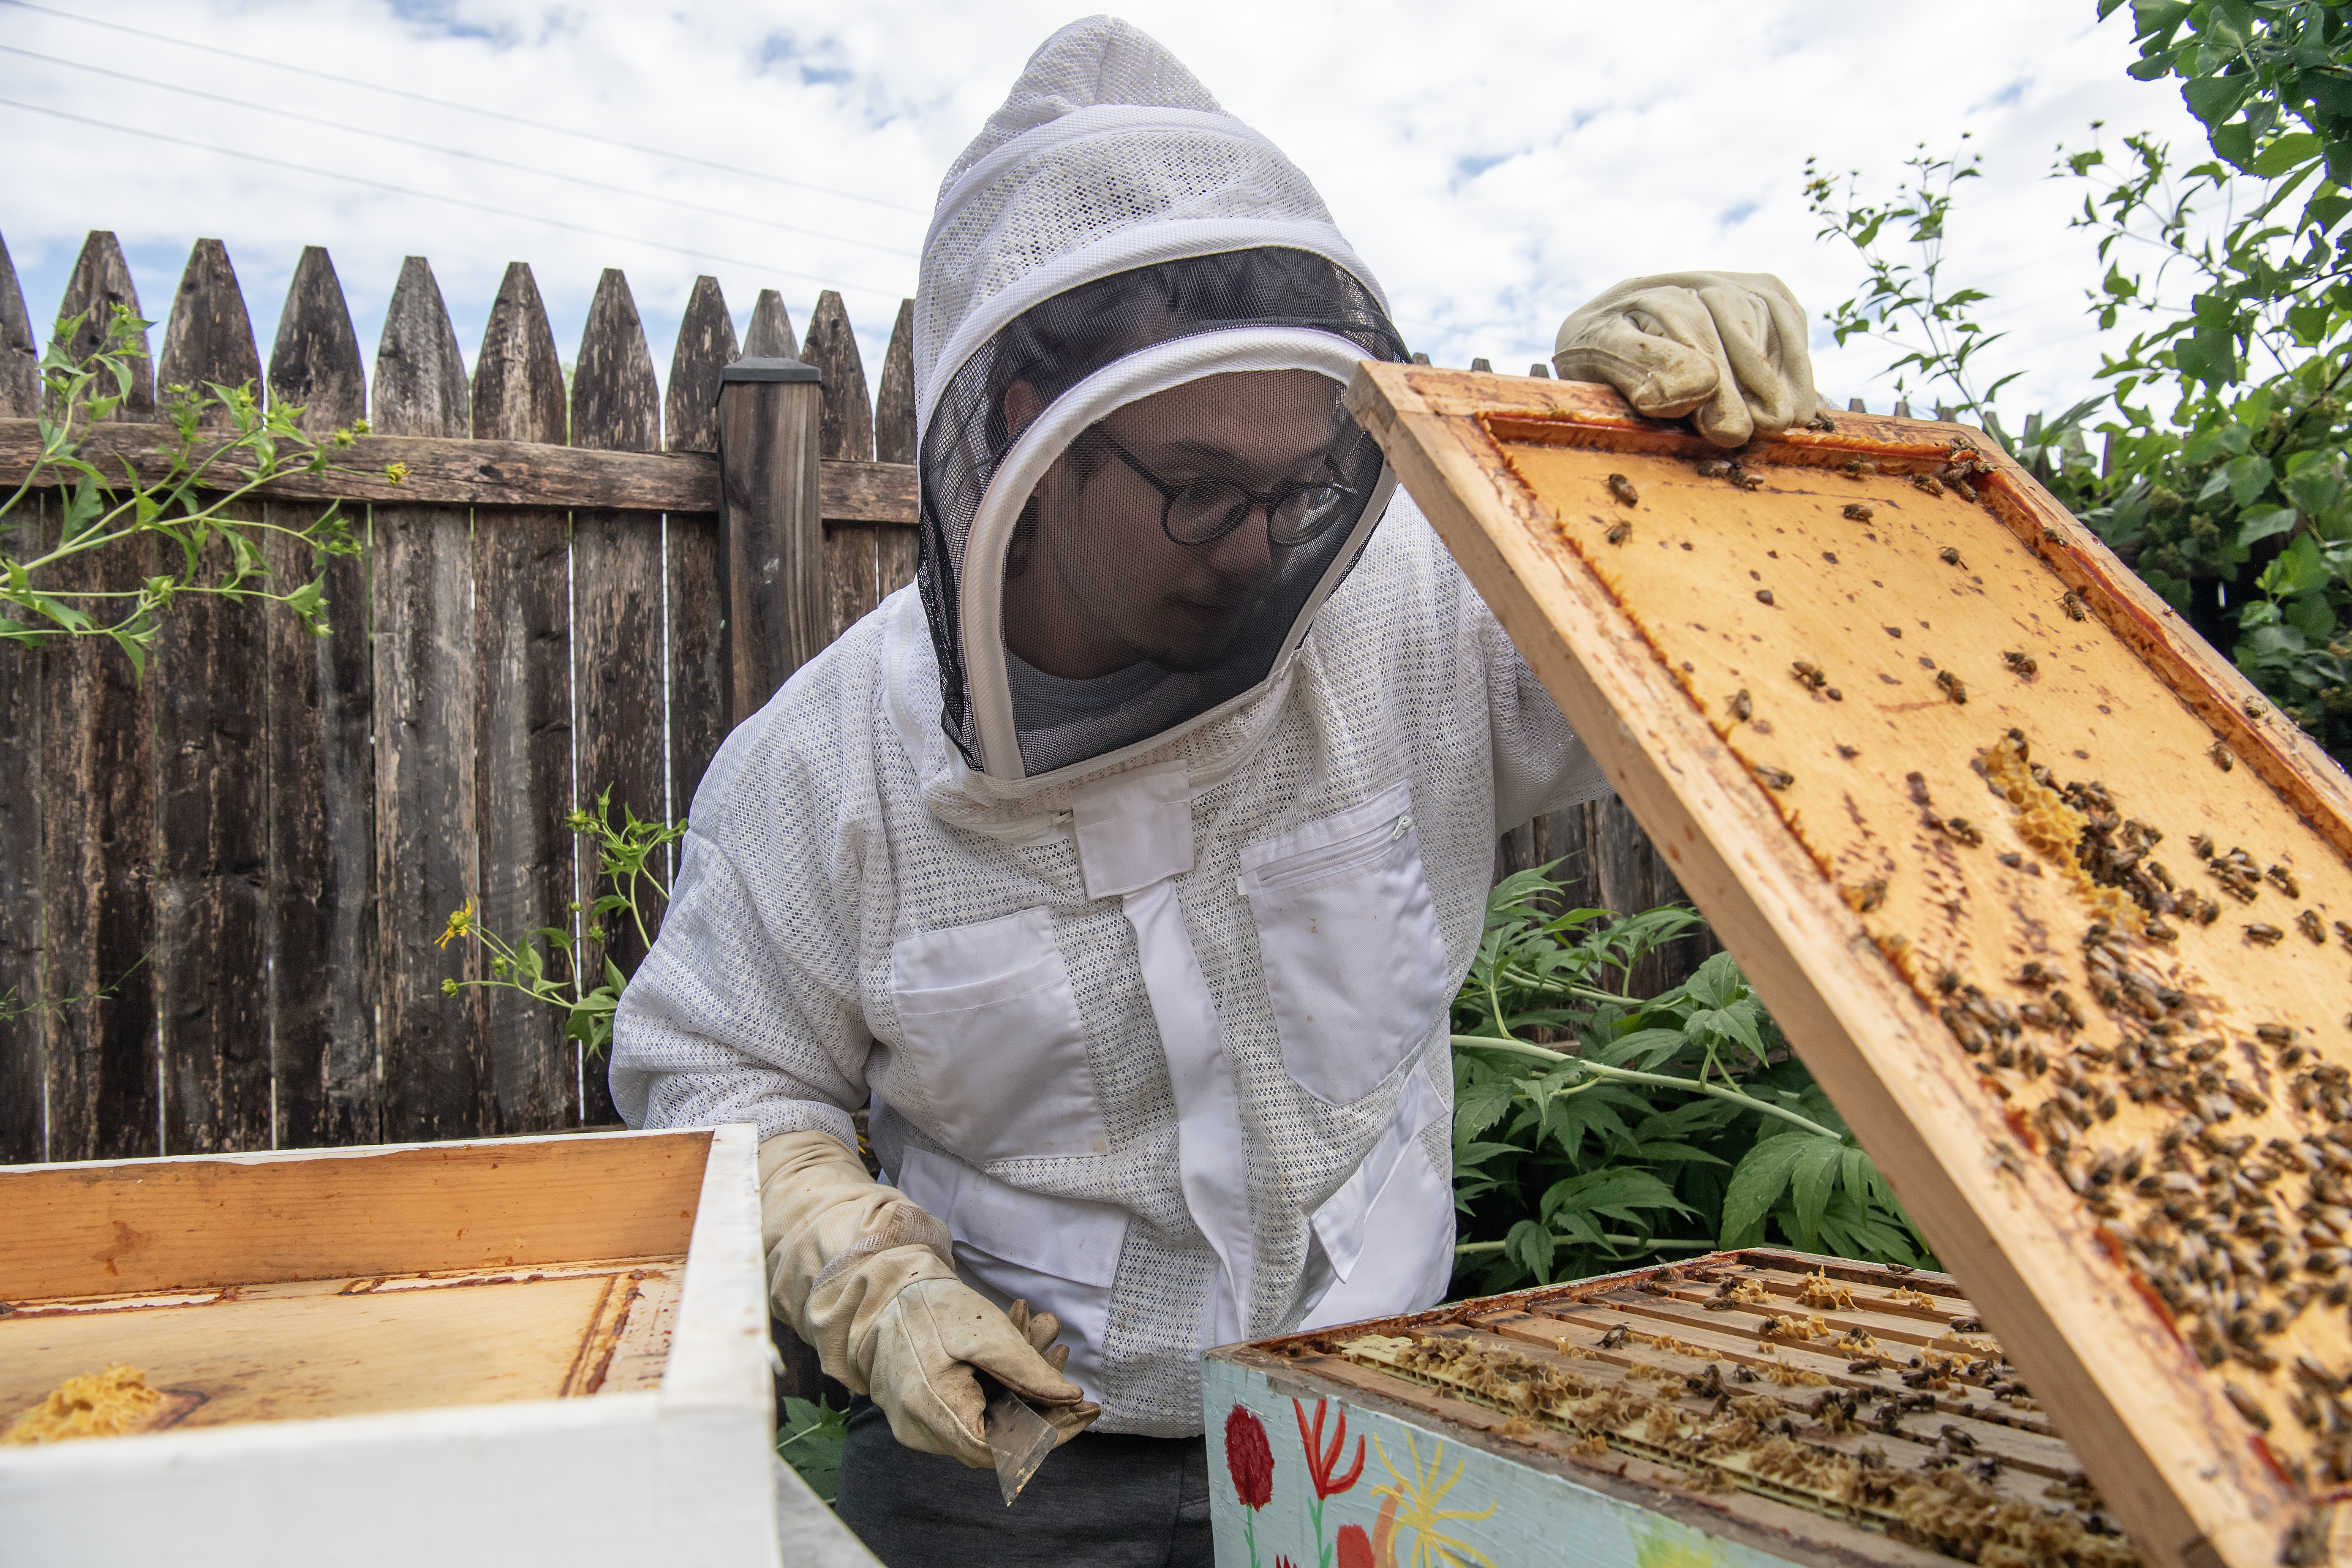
x=435, y=196
x=463, y=108
x=727, y=213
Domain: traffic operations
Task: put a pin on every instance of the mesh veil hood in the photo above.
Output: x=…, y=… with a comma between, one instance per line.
x=1110, y=235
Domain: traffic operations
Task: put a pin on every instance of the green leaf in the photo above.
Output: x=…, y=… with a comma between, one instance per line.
x=1812, y=1176
x=1756, y=1186
x=2300, y=568
x=1530, y=1244
x=2256, y=526
x=1478, y=1105
x=809, y=1439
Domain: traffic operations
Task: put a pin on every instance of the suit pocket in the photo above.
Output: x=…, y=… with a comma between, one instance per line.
x=1355, y=963
x=990, y=1027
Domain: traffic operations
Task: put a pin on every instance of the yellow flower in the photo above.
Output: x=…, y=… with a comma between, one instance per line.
x=449, y=988
x=1417, y=1495
x=394, y=472
x=461, y=920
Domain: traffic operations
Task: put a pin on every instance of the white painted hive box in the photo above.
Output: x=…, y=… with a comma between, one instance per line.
x=518, y=1350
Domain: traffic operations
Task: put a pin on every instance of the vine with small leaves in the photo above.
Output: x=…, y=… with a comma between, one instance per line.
x=226, y=446
x=625, y=867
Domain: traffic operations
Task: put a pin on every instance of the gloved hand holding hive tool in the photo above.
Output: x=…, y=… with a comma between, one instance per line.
x=869, y=1279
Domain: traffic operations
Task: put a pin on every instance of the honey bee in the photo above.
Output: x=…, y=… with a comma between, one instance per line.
x=1742, y=708
x=1867, y=897
x=2274, y=1034
x=1809, y=675
x=1714, y=468
x=1776, y=778
x=2308, y=923
x=1763, y=596
x=2247, y=1406
x=2021, y=664
x=2220, y=752
x=1623, y=489
x=1746, y=480
x=1821, y=421
x=1859, y=511
x=2071, y=603
x=1928, y=483
x=1952, y=686
x=2051, y=536
x=2264, y=935
x=2283, y=880
x=2037, y=974
x=2345, y=931
x=1949, y=556
x=1962, y=829
x=1620, y=532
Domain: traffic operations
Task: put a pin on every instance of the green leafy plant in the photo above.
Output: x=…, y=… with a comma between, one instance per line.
x=625, y=869
x=810, y=1443
x=1595, y=1129
x=226, y=446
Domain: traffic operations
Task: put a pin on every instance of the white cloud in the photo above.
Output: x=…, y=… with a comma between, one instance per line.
x=1495, y=165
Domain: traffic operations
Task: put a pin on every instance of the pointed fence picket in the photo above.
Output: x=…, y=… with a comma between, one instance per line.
x=222, y=889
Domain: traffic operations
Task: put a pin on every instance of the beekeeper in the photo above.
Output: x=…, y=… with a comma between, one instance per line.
x=1129, y=866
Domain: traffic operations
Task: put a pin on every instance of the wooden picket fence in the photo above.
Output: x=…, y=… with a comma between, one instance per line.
x=253, y=851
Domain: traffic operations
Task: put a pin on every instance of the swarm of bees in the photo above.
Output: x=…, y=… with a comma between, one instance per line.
x=2238, y=1233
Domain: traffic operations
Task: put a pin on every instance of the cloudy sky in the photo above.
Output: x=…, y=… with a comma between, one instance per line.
x=1495, y=165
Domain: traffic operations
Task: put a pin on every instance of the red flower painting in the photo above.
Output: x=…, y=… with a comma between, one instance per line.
x=1355, y=1548
x=1250, y=1457
x=1250, y=1460
x=1321, y=1462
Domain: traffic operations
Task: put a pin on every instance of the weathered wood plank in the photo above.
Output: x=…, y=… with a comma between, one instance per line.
x=321, y=766
x=618, y=629
x=523, y=736
x=846, y=426
x=99, y=831
x=772, y=538
x=894, y=399
x=697, y=720
x=492, y=474
x=769, y=334
x=435, y=1083
x=20, y=351
x=22, y=1045
x=705, y=342
x=211, y=964
x=24, y=1033
x=99, y=281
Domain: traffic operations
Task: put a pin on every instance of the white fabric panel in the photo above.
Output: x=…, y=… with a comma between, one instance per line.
x=1134, y=829
x=1355, y=963
x=988, y=1022
x=1394, y=1251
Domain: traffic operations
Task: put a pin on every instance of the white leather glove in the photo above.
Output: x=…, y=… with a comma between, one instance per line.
x=1727, y=347
x=868, y=1278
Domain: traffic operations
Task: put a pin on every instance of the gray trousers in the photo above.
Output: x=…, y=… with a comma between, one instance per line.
x=1110, y=1498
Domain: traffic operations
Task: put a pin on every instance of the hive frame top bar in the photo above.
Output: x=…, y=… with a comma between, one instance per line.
x=2187, y=1475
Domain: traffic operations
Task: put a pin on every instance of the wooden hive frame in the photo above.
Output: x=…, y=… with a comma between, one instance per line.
x=2193, y=1478
x=645, y=1430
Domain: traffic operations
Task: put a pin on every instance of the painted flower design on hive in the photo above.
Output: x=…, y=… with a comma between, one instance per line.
x=1249, y=1458
x=1323, y=1466
x=1417, y=1495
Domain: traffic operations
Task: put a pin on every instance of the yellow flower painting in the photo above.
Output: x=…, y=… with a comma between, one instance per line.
x=1417, y=1496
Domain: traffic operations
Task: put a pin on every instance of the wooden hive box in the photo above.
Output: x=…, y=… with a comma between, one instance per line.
x=519, y=1351
x=2053, y=904
x=1749, y=1408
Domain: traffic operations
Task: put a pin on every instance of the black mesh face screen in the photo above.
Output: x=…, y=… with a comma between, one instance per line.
x=1159, y=563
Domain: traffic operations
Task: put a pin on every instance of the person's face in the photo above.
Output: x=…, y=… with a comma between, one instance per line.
x=1103, y=585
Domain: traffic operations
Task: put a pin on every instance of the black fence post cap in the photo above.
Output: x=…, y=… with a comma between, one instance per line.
x=743, y=370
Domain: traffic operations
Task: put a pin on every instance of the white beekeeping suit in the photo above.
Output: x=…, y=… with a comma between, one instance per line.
x=1129, y=869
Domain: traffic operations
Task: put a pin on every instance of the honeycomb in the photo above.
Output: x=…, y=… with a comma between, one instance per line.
x=2139, y=946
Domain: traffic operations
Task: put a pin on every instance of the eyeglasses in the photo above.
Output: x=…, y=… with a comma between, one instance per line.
x=1206, y=509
